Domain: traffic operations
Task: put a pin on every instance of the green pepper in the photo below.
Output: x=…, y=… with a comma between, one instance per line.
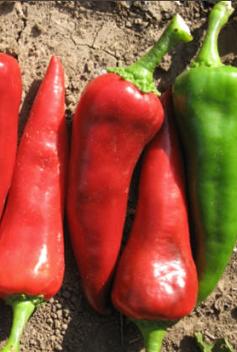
x=205, y=102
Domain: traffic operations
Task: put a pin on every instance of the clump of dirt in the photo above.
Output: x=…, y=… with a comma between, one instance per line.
x=88, y=36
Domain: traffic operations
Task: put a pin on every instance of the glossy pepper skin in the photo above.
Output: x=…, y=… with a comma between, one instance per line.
x=116, y=117
x=156, y=277
x=205, y=100
x=31, y=232
x=10, y=99
x=108, y=136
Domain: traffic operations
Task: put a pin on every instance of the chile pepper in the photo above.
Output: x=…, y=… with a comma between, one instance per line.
x=10, y=93
x=118, y=113
x=31, y=232
x=156, y=277
x=205, y=100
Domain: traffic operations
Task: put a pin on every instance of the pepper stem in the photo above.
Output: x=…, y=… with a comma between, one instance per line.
x=208, y=54
x=153, y=333
x=23, y=307
x=141, y=72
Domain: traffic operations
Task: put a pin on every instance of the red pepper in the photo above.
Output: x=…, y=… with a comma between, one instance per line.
x=10, y=98
x=156, y=277
x=116, y=117
x=31, y=232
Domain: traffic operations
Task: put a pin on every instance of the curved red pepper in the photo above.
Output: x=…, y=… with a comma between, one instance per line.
x=117, y=115
x=108, y=137
x=31, y=232
x=10, y=99
x=156, y=277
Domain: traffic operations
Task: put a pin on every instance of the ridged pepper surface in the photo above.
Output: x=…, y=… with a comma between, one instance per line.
x=118, y=114
x=10, y=99
x=31, y=232
x=205, y=100
x=156, y=278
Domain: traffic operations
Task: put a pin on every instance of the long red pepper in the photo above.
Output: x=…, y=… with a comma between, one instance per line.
x=31, y=232
x=156, y=277
x=117, y=115
x=10, y=98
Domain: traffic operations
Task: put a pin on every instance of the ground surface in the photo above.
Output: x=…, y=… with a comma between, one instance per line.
x=88, y=36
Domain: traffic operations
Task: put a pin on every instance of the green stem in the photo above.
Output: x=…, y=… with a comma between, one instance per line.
x=153, y=333
x=141, y=72
x=23, y=307
x=209, y=55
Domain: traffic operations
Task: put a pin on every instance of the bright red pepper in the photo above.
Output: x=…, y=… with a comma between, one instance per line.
x=156, y=277
x=31, y=232
x=105, y=148
x=10, y=99
x=117, y=116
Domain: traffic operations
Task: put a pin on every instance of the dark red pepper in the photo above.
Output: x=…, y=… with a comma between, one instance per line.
x=31, y=232
x=116, y=117
x=10, y=99
x=156, y=277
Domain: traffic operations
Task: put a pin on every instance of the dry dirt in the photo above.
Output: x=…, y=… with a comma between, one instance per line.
x=88, y=36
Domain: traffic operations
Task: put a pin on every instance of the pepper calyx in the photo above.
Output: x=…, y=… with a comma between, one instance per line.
x=141, y=72
x=143, y=79
x=13, y=299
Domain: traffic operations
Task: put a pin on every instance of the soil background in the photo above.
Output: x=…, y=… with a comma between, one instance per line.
x=88, y=36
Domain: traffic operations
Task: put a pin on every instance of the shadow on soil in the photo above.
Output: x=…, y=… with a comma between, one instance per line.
x=6, y=7
x=188, y=344
x=5, y=323
x=88, y=331
x=181, y=57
